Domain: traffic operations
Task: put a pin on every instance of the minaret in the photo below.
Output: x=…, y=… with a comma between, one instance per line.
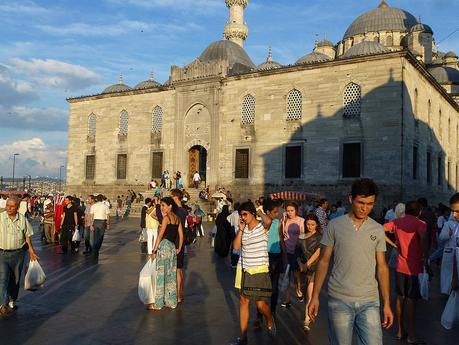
x=236, y=30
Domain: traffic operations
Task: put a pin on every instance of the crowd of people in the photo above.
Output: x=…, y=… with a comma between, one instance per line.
x=280, y=250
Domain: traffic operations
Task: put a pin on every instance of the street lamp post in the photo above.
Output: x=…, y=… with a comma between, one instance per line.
x=60, y=176
x=14, y=164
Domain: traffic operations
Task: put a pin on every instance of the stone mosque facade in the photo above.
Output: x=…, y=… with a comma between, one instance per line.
x=381, y=103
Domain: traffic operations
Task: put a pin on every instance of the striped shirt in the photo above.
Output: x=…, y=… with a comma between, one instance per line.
x=254, y=251
x=13, y=233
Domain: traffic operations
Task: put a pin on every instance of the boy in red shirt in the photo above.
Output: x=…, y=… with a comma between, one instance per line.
x=412, y=242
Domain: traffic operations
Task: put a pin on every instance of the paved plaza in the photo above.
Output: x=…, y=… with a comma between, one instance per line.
x=86, y=302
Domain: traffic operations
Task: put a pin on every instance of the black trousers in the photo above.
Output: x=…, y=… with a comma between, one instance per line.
x=275, y=270
x=66, y=239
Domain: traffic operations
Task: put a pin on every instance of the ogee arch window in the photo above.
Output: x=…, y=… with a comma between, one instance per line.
x=92, y=126
x=352, y=100
x=157, y=120
x=124, y=123
x=294, y=105
x=248, y=110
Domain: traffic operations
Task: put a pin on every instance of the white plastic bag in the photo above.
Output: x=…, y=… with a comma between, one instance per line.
x=286, y=279
x=424, y=285
x=147, y=283
x=450, y=316
x=143, y=236
x=76, y=236
x=35, y=277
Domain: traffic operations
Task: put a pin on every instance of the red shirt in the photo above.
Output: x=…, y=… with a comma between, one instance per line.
x=408, y=231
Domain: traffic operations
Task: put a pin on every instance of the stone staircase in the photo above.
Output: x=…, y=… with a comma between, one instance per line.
x=206, y=206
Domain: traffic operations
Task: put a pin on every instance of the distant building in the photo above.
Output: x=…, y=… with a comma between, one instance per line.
x=381, y=103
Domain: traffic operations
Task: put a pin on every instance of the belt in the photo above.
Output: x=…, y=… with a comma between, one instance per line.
x=9, y=250
x=100, y=220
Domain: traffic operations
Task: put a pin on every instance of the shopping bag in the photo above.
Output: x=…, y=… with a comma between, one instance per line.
x=143, y=236
x=450, y=316
x=424, y=285
x=35, y=277
x=76, y=236
x=147, y=282
x=286, y=279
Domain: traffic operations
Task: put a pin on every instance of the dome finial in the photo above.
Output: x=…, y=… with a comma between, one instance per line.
x=383, y=4
x=270, y=54
x=120, y=81
x=152, y=75
x=316, y=42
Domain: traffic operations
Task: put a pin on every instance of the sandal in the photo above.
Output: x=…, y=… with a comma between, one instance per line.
x=153, y=308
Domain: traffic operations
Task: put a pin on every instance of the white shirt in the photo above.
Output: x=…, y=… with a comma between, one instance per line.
x=2, y=203
x=196, y=177
x=233, y=219
x=100, y=211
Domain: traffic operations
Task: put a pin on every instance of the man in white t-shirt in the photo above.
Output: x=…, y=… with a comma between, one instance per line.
x=99, y=223
x=196, y=180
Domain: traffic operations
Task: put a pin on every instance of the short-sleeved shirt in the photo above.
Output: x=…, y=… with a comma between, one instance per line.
x=293, y=228
x=69, y=217
x=254, y=250
x=353, y=277
x=408, y=231
x=100, y=211
x=274, y=245
x=13, y=233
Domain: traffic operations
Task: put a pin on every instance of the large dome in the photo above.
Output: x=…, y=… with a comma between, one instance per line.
x=383, y=18
x=239, y=61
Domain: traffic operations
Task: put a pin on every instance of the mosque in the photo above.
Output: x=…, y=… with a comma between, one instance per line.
x=380, y=103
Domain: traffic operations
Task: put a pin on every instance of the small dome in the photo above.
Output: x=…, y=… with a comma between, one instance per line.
x=116, y=88
x=147, y=84
x=269, y=63
x=313, y=57
x=239, y=61
x=383, y=18
x=365, y=48
x=445, y=75
x=325, y=43
x=419, y=27
x=450, y=54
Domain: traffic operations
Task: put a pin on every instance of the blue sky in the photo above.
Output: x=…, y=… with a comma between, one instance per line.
x=51, y=50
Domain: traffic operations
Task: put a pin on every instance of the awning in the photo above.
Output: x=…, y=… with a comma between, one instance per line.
x=296, y=196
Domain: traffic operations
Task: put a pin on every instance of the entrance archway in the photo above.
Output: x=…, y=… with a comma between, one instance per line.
x=197, y=161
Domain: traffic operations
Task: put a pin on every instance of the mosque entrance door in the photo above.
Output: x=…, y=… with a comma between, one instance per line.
x=197, y=162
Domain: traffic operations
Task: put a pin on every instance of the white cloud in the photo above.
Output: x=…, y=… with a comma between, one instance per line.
x=25, y=7
x=116, y=29
x=40, y=119
x=35, y=157
x=199, y=5
x=12, y=91
x=56, y=74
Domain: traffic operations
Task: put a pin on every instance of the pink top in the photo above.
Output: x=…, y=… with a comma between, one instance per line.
x=292, y=230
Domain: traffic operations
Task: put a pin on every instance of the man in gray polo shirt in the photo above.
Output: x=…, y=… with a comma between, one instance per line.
x=357, y=245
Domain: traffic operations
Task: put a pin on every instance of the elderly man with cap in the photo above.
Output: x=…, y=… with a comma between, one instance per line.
x=15, y=233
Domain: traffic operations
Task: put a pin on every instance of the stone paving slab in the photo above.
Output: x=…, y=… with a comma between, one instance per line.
x=96, y=303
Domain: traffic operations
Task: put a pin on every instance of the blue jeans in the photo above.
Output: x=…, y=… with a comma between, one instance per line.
x=344, y=317
x=87, y=238
x=98, y=236
x=11, y=264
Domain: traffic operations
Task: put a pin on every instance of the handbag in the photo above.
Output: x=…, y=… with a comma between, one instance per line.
x=255, y=285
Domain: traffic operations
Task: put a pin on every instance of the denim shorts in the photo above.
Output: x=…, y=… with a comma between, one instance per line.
x=346, y=317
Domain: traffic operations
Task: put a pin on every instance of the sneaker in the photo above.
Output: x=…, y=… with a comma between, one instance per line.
x=286, y=305
x=239, y=341
x=11, y=305
x=301, y=299
x=272, y=330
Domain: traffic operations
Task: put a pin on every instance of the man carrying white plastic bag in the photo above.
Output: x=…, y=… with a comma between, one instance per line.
x=35, y=277
x=15, y=233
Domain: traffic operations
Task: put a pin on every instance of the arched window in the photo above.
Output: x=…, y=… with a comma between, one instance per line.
x=124, y=122
x=376, y=39
x=294, y=105
x=248, y=110
x=92, y=126
x=157, y=120
x=352, y=99
x=389, y=41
